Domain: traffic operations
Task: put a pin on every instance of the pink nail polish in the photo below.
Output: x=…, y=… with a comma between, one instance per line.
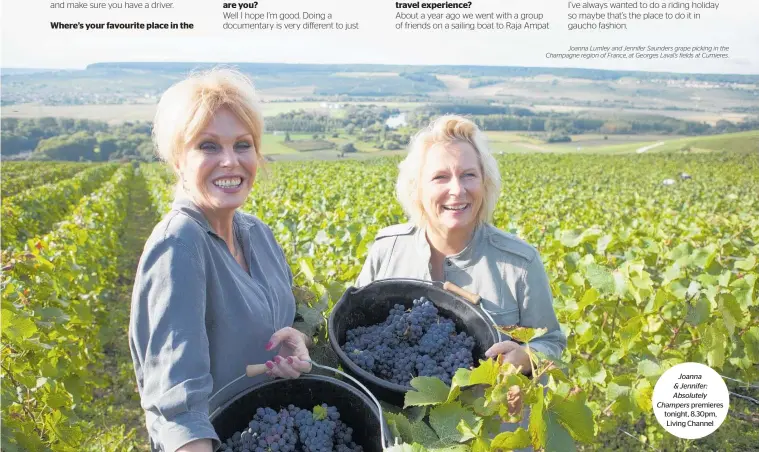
x=278, y=359
x=270, y=364
x=289, y=359
x=269, y=345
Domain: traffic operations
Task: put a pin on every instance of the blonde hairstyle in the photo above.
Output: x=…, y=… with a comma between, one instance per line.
x=187, y=107
x=445, y=130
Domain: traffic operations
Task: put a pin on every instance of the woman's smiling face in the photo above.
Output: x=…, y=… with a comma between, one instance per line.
x=219, y=166
x=451, y=186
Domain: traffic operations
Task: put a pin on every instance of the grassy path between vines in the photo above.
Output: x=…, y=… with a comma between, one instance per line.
x=119, y=399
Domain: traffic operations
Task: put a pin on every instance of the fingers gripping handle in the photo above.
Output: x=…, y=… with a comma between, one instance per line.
x=469, y=296
x=253, y=370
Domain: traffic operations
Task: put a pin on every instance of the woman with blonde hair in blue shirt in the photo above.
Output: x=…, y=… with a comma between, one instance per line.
x=213, y=290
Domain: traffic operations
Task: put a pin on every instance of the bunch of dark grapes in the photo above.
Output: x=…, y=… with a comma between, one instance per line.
x=293, y=429
x=412, y=343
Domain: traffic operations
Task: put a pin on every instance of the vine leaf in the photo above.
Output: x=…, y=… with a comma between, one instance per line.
x=537, y=426
x=518, y=439
x=445, y=419
x=648, y=368
x=573, y=414
x=557, y=438
x=485, y=373
x=429, y=391
x=600, y=278
x=400, y=426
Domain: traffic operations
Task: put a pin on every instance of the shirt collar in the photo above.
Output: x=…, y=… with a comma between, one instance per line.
x=184, y=204
x=466, y=257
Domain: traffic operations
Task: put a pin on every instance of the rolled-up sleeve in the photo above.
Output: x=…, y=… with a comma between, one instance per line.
x=536, y=310
x=170, y=346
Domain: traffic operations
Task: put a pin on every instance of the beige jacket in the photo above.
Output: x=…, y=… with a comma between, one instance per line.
x=504, y=270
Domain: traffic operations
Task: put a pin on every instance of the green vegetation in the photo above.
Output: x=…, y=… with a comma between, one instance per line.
x=15, y=180
x=644, y=276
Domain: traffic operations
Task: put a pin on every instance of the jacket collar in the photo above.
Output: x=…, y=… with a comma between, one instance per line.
x=184, y=204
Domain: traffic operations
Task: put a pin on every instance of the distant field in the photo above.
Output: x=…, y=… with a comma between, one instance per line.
x=144, y=112
x=738, y=142
x=310, y=145
x=625, y=144
x=110, y=113
x=273, y=144
x=366, y=74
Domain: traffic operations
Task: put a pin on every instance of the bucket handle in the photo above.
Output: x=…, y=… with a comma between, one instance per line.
x=253, y=370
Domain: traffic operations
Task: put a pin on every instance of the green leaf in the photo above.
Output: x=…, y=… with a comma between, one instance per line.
x=307, y=269
x=589, y=298
x=746, y=264
x=557, y=438
x=642, y=394
x=703, y=257
x=600, y=278
x=537, y=425
x=698, y=312
x=592, y=371
x=743, y=290
x=416, y=447
x=648, y=368
x=518, y=439
x=630, y=332
x=574, y=414
x=461, y=378
x=400, y=425
x=731, y=311
x=480, y=445
x=423, y=434
x=53, y=315
x=615, y=391
x=17, y=328
x=480, y=409
x=603, y=243
x=444, y=419
x=523, y=334
x=458, y=448
x=714, y=343
x=681, y=254
x=468, y=432
x=57, y=400
x=485, y=373
x=429, y=391
x=319, y=413
x=571, y=239
x=751, y=343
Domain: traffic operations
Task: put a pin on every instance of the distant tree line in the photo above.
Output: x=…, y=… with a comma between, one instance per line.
x=87, y=140
x=76, y=139
x=503, y=118
x=461, y=70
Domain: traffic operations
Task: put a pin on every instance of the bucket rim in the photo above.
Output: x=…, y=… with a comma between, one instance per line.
x=352, y=290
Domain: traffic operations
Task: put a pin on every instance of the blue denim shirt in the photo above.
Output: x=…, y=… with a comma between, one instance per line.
x=198, y=319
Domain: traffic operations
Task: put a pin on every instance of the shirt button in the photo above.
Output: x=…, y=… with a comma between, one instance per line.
x=448, y=261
